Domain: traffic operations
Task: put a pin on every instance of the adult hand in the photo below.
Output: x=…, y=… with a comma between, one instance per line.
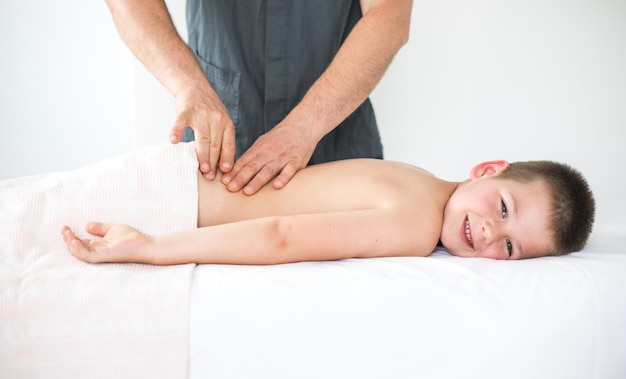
x=147, y=29
x=279, y=153
x=214, y=130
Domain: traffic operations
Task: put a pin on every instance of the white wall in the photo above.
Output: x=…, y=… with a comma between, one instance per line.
x=65, y=92
x=153, y=106
x=518, y=80
x=478, y=80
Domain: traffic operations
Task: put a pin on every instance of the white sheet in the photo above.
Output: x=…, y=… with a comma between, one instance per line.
x=63, y=318
x=439, y=316
x=435, y=317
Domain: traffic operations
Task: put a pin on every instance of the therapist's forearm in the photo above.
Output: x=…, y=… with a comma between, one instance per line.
x=356, y=69
x=147, y=29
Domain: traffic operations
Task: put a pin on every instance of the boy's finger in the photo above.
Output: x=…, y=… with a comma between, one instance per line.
x=74, y=245
x=98, y=228
x=77, y=248
x=67, y=235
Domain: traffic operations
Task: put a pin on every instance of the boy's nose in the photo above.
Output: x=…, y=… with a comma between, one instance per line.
x=491, y=231
x=492, y=234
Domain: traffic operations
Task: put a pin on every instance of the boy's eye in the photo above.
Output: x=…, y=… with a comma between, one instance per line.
x=509, y=247
x=504, y=210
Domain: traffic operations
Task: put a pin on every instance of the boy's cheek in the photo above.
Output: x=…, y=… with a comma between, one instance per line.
x=483, y=204
x=492, y=252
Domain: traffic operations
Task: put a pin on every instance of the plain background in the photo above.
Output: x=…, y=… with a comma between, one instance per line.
x=478, y=80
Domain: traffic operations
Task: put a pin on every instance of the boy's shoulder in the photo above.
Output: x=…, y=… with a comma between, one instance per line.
x=382, y=179
x=383, y=171
x=371, y=166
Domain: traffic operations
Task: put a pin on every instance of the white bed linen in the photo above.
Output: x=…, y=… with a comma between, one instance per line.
x=435, y=317
x=62, y=318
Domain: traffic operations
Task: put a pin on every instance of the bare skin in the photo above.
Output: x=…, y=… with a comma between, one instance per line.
x=326, y=213
x=335, y=211
x=148, y=31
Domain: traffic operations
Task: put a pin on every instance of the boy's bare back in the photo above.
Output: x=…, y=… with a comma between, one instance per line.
x=336, y=187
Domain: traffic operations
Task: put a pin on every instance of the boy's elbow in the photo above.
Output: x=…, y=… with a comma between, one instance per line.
x=277, y=240
x=278, y=233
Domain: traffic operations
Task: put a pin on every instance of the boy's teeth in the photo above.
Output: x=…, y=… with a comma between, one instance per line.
x=467, y=232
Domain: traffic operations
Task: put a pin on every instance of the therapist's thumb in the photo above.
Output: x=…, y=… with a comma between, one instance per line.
x=180, y=124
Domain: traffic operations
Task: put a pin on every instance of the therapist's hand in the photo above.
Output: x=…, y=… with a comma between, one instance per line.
x=279, y=153
x=202, y=109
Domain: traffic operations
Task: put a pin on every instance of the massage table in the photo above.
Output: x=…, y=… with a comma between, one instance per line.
x=435, y=317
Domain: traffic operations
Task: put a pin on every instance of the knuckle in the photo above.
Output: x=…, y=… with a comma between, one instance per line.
x=203, y=138
x=217, y=117
x=215, y=144
x=268, y=171
x=228, y=143
x=253, y=166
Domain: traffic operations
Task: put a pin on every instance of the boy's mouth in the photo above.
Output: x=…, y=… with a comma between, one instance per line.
x=468, y=233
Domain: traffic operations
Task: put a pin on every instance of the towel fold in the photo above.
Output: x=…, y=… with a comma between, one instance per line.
x=60, y=317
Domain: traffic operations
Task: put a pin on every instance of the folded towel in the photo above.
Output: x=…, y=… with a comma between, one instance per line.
x=60, y=317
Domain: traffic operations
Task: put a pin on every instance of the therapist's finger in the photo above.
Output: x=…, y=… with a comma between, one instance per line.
x=212, y=138
x=251, y=175
x=288, y=172
x=267, y=173
x=227, y=155
x=204, y=149
x=180, y=123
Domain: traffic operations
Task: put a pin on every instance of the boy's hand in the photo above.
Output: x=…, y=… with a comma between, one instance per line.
x=119, y=243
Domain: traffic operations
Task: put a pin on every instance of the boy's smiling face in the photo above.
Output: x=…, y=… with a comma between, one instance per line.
x=497, y=218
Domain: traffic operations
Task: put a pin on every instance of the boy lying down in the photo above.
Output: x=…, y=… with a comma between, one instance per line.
x=368, y=208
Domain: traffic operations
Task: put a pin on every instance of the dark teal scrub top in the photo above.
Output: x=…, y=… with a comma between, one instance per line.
x=261, y=56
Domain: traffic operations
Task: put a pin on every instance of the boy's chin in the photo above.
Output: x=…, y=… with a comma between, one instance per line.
x=449, y=249
x=457, y=252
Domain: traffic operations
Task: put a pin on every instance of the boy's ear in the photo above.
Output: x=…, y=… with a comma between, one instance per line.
x=489, y=168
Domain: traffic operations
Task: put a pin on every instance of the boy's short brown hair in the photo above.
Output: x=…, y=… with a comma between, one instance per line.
x=573, y=204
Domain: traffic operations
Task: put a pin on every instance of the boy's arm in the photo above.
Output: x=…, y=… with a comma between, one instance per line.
x=271, y=240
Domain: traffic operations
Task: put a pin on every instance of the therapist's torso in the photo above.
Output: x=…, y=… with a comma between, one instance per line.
x=261, y=56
